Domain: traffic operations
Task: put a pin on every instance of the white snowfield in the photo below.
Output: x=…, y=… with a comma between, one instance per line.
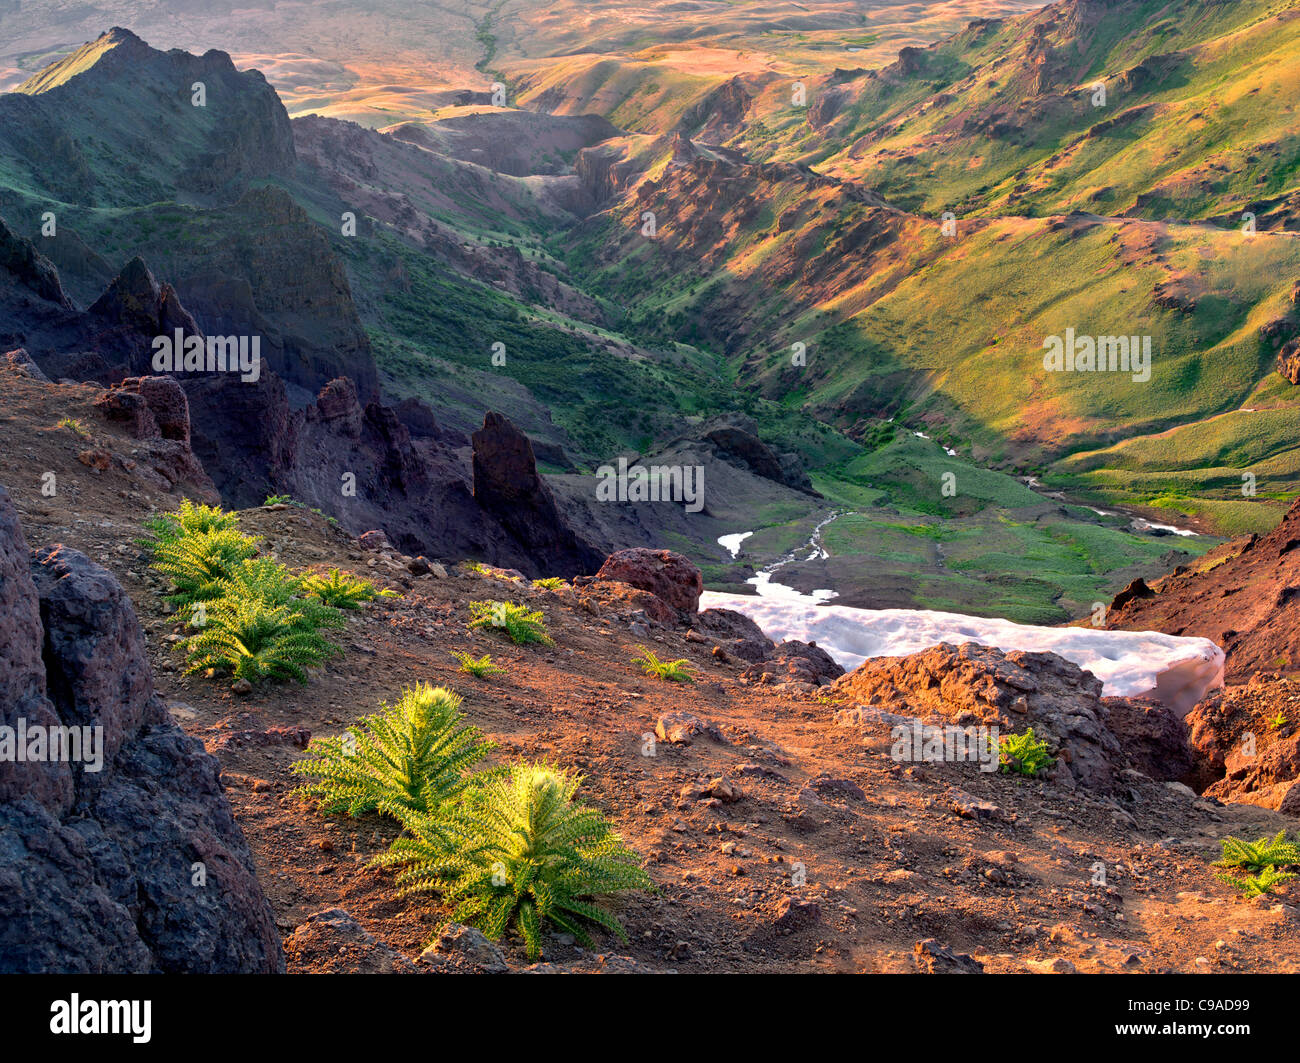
x=1175, y=669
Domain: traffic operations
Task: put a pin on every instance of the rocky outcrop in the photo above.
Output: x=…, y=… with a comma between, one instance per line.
x=136, y=301
x=508, y=488
x=794, y=662
x=1246, y=742
x=22, y=361
x=971, y=685
x=1288, y=361
x=735, y=439
x=153, y=407
x=1243, y=595
x=668, y=576
x=122, y=854
x=155, y=411
x=19, y=257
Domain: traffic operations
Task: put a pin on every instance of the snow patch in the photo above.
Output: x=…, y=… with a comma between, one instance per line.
x=732, y=542
x=1178, y=670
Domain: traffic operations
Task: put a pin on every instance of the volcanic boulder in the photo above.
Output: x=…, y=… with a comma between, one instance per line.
x=736, y=634
x=794, y=662
x=666, y=575
x=973, y=684
x=138, y=866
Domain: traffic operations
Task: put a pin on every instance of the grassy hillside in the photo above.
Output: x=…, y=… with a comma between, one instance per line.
x=1198, y=118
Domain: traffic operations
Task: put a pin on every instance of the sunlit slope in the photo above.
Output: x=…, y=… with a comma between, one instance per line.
x=895, y=316
x=1197, y=119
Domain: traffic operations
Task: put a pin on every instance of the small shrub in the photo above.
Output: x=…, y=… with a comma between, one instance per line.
x=278, y=500
x=479, y=667
x=412, y=757
x=1276, y=723
x=1024, y=755
x=1259, y=884
x=255, y=639
x=521, y=625
x=341, y=589
x=197, y=563
x=72, y=424
x=1259, y=855
x=522, y=853
x=550, y=583
x=673, y=671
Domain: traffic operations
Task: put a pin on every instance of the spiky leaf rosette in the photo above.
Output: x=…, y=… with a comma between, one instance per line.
x=517, y=621
x=1259, y=855
x=1257, y=885
x=267, y=581
x=340, y=589
x=253, y=639
x=414, y=756
x=520, y=853
x=197, y=562
x=189, y=519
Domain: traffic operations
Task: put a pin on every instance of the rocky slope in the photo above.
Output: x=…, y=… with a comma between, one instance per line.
x=1245, y=595
x=776, y=819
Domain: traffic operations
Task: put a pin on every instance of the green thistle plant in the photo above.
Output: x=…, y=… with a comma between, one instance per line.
x=189, y=519
x=521, y=853
x=198, y=562
x=341, y=589
x=412, y=757
x=673, y=671
x=1256, y=885
x=254, y=639
x=1024, y=755
x=521, y=625
x=1259, y=855
x=479, y=667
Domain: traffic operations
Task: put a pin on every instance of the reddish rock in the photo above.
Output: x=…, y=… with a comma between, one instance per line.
x=1244, y=595
x=794, y=662
x=95, y=459
x=932, y=958
x=1288, y=361
x=668, y=576
x=337, y=405
x=973, y=684
x=623, y=599
x=129, y=409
